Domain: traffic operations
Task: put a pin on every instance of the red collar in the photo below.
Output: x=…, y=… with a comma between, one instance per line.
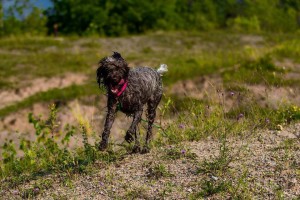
x=122, y=89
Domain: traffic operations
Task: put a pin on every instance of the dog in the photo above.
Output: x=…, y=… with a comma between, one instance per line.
x=129, y=90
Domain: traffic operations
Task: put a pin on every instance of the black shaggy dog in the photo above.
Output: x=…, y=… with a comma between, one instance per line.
x=128, y=90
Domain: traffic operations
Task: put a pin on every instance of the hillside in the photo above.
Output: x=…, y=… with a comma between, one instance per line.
x=227, y=126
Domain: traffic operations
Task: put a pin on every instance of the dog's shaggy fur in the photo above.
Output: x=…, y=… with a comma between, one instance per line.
x=144, y=86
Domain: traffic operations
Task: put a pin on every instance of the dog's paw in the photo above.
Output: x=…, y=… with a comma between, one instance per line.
x=102, y=146
x=136, y=149
x=145, y=149
x=128, y=137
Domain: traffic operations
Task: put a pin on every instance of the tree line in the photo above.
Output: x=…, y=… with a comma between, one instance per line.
x=124, y=17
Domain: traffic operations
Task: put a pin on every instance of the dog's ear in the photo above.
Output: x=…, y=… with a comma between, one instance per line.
x=117, y=56
x=120, y=61
x=100, y=72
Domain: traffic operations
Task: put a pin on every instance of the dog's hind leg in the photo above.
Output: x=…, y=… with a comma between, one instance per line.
x=151, y=113
x=132, y=131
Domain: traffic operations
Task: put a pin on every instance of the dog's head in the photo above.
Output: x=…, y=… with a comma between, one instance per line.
x=112, y=73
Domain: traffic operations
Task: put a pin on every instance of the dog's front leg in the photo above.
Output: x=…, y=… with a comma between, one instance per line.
x=110, y=117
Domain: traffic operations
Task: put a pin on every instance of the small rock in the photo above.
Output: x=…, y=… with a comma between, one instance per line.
x=214, y=178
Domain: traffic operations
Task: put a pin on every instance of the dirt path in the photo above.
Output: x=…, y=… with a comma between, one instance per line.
x=267, y=167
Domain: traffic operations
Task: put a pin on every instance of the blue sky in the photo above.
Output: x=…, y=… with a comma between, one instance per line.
x=42, y=3
x=39, y=3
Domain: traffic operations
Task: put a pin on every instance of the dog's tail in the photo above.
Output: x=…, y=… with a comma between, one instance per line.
x=162, y=69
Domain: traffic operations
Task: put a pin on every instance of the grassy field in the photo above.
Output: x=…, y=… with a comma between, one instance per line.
x=237, y=58
x=223, y=88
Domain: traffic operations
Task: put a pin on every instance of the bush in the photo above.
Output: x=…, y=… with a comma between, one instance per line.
x=243, y=24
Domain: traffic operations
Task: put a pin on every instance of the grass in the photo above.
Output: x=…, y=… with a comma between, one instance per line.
x=49, y=153
x=158, y=171
x=188, y=55
x=196, y=53
x=53, y=95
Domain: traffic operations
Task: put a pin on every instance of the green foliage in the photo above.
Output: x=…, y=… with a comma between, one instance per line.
x=242, y=24
x=287, y=114
x=114, y=18
x=48, y=153
x=289, y=49
x=273, y=15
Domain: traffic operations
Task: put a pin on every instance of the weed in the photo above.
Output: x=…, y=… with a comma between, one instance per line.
x=177, y=152
x=137, y=193
x=209, y=188
x=220, y=163
x=157, y=171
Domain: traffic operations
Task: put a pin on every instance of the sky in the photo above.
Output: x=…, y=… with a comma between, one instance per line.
x=42, y=3
x=38, y=3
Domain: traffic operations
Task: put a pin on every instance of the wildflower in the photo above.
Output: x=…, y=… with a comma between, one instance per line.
x=241, y=115
x=231, y=93
x=183, y=151
x=36, y=190
x=181, y=126
x=267, y=120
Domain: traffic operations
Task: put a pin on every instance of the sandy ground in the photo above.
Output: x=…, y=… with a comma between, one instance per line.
x=264, y=163
x=29, y=88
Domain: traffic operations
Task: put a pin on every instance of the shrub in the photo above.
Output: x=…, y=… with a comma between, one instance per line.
x=243, y=24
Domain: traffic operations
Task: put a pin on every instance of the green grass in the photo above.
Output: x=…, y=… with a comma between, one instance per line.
x=48, y=153
x=61, y=95
x=187, y=54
